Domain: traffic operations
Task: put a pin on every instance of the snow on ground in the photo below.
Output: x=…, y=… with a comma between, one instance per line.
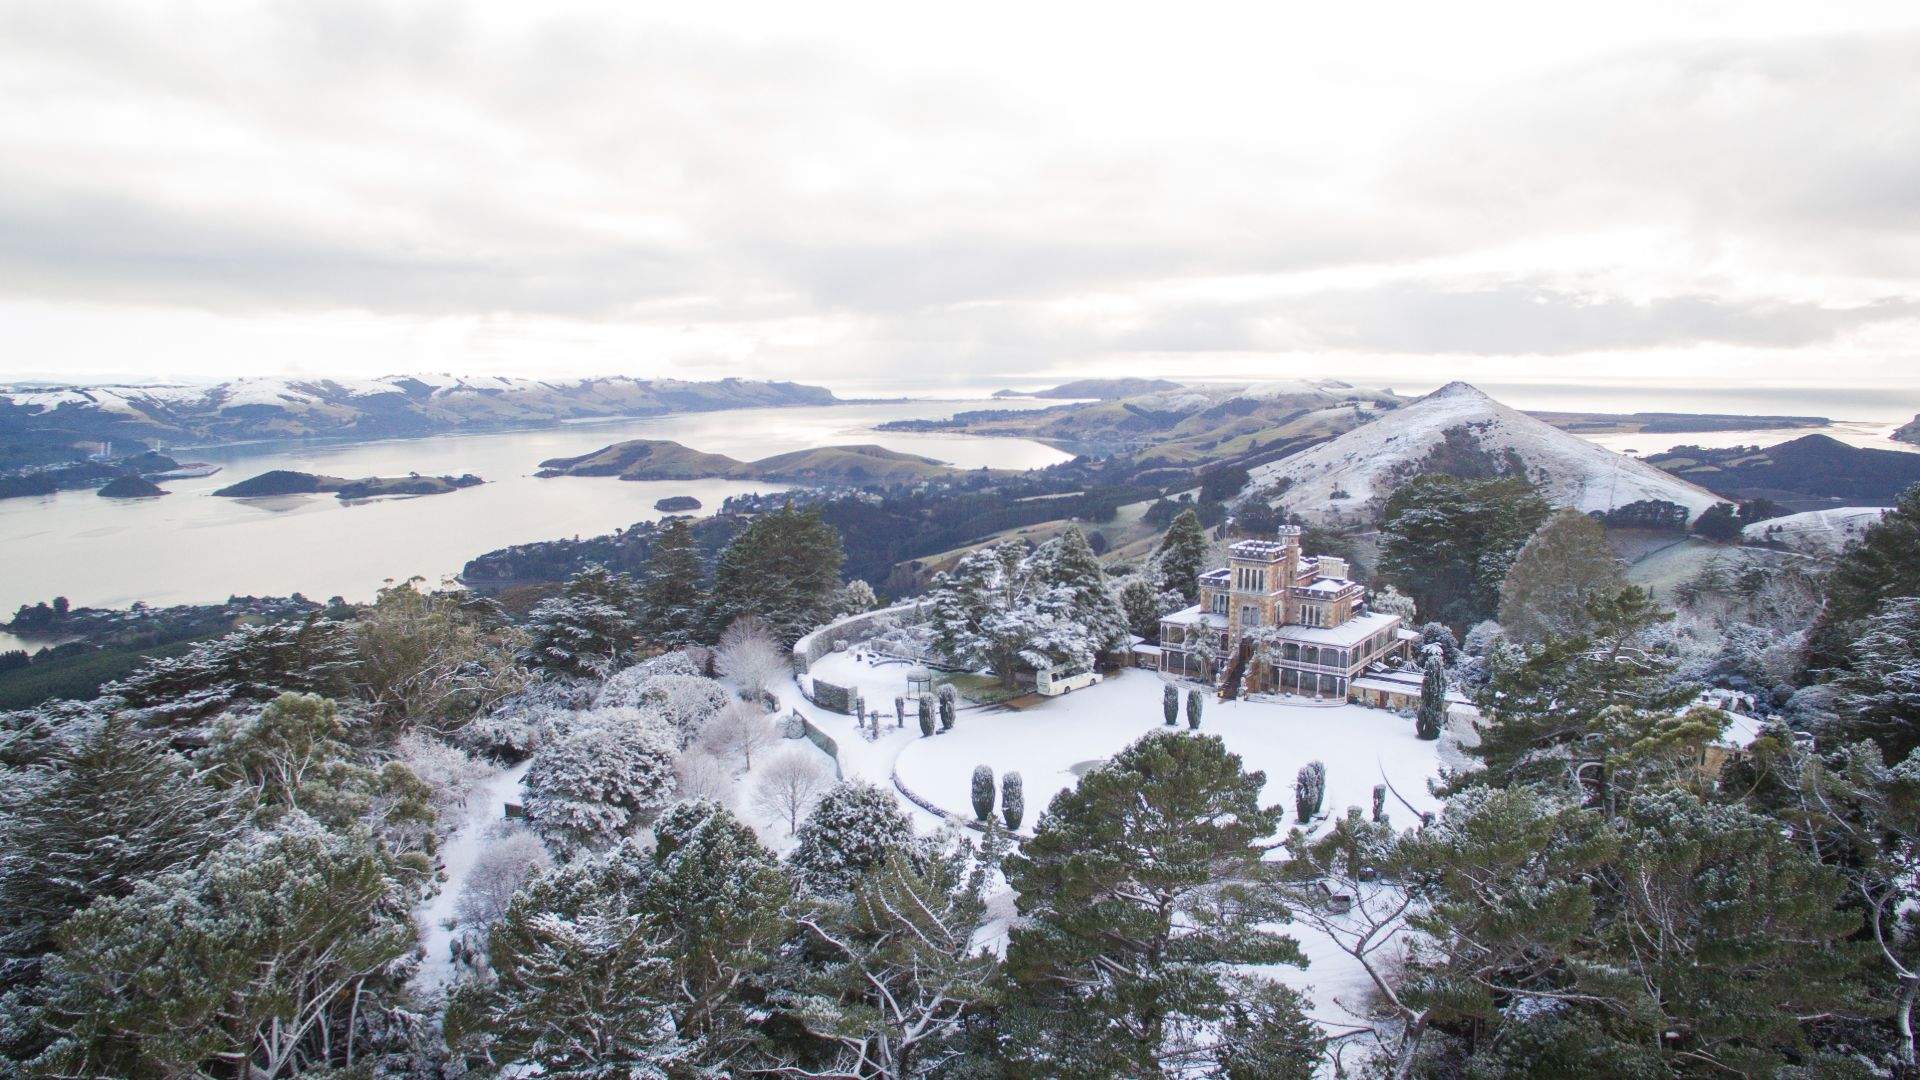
x=1045, y=741
x=1816, y=532
x=1360, y=747
x=485, y=807
x=1361, y=464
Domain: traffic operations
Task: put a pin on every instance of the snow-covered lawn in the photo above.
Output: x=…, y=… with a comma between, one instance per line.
x=1360, y=747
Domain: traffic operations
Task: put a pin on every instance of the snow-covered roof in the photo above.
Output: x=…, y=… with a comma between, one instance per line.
x=1191, y=616
x=1404, y=682
x=1215, y=577
x=1141, y=648
x=1328, y=586
x=1349, y=633
x=1261, y=550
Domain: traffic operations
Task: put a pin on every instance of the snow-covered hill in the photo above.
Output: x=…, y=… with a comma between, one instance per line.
x=1357, y=471
x=396, y=405
x=1816, y=532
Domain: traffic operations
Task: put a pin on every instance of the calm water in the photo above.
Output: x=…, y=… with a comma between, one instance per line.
x=190, y=547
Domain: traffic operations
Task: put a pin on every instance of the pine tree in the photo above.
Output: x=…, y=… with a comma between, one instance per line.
x=1878, y=696
x=602, y=781
x=591, y=628
x=900, y=976
x=1003, y=609
x=1431, y=716
x=1136, y=900
x=1182, y=556
x=1139, y=601
x=1566, y=712
x=1564, y=564
x=1449, y=542
x=1170, y=704
x=1883, y=565
x=101, y=808
x=783, y=568
x=255, y=957
x=853, y=828
x=982, y=792
x=671, y=593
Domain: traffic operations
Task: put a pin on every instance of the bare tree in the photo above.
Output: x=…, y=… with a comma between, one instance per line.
x=703, y=776
x=739, y=730
x=512, y=854
x=750, y=657
x=790, y=785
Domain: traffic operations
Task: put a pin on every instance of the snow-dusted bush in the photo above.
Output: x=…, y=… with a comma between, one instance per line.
x=519, y=723
x=791, y=784
x=982, y=792
x=626, y=685
x=1309, y=790
x=510, y=856
x=738, y=732
x=449, y=773
x=703, y=776
x=854, y=597
x=1481, y=637
x=604, y=779
x=853, y=829
x=684, y=702
x=1013, y=800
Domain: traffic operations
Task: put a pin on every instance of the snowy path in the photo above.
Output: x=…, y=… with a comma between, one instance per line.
x=484, y=807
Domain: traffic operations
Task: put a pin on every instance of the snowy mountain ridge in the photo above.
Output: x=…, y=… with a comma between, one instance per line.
x=279, y=407
x=1359, y=469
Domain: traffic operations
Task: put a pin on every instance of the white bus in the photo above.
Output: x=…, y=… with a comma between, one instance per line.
x=1062, y=678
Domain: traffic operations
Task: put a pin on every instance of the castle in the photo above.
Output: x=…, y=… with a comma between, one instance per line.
x=1275, y=621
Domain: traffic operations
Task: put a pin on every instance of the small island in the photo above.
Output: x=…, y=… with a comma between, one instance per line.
x=674, y=504
x=288, y=482
x=1908, y=433
x=130, y=486
x=825, y=466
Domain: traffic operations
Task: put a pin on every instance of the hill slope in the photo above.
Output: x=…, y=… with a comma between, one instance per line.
x=1909, y=432
x=1358, y=470
x=1810, y=472
x=1816, y=532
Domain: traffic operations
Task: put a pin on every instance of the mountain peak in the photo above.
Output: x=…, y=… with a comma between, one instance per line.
x=1458, y=389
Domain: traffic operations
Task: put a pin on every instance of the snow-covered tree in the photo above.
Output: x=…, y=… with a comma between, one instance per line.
x=1182, y=556
x=251, y=962
x=254, y=664
x=1194, y=705
x=790, y=785
x=1170, y=704
x=1013, y=800
x=1878, y=696
x=784, y=568
x=902, y=974
x=926, y=716
x=429, y=658
x=622, y=689
x=1388, y=600
x=700, y=775
x=685, y=703
x=604, y=779
x=738, y=732
x=1309, y=791
x=1137, y=902
x=1000, y=608
x=1139, y=601
x=591, y=628
x=855, y=597
x=949, y=706
x=852, y=829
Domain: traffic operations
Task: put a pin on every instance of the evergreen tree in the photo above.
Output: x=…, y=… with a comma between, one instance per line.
x=926, y=716
x=252, y=665
x=600, y=782
x=1432, y=714
x=1566, y=563
x=852, y=829
x=1194, y=705
x=591, y=628
x=899, y=975
x=1884, y=565
x=1136, y=898
x=672, y=596
x=1170, y=704
x=1449, y=542
x=1139, y=601
x=1718, y=523
x=253, y=960
x=1003, y=609
x=982, y=792
x=1571, y=711
x=1878, y=696
x=949, y=706
x=783, y=568
x=1013, y=800
x=1182, y=556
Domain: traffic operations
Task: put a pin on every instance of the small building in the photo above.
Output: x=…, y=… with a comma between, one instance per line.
x=1399, y=689
x=1275, y=621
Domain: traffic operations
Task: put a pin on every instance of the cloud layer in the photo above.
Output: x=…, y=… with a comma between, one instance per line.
x=861, y=198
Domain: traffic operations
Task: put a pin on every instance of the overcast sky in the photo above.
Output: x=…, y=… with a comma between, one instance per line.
x=885, y=197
